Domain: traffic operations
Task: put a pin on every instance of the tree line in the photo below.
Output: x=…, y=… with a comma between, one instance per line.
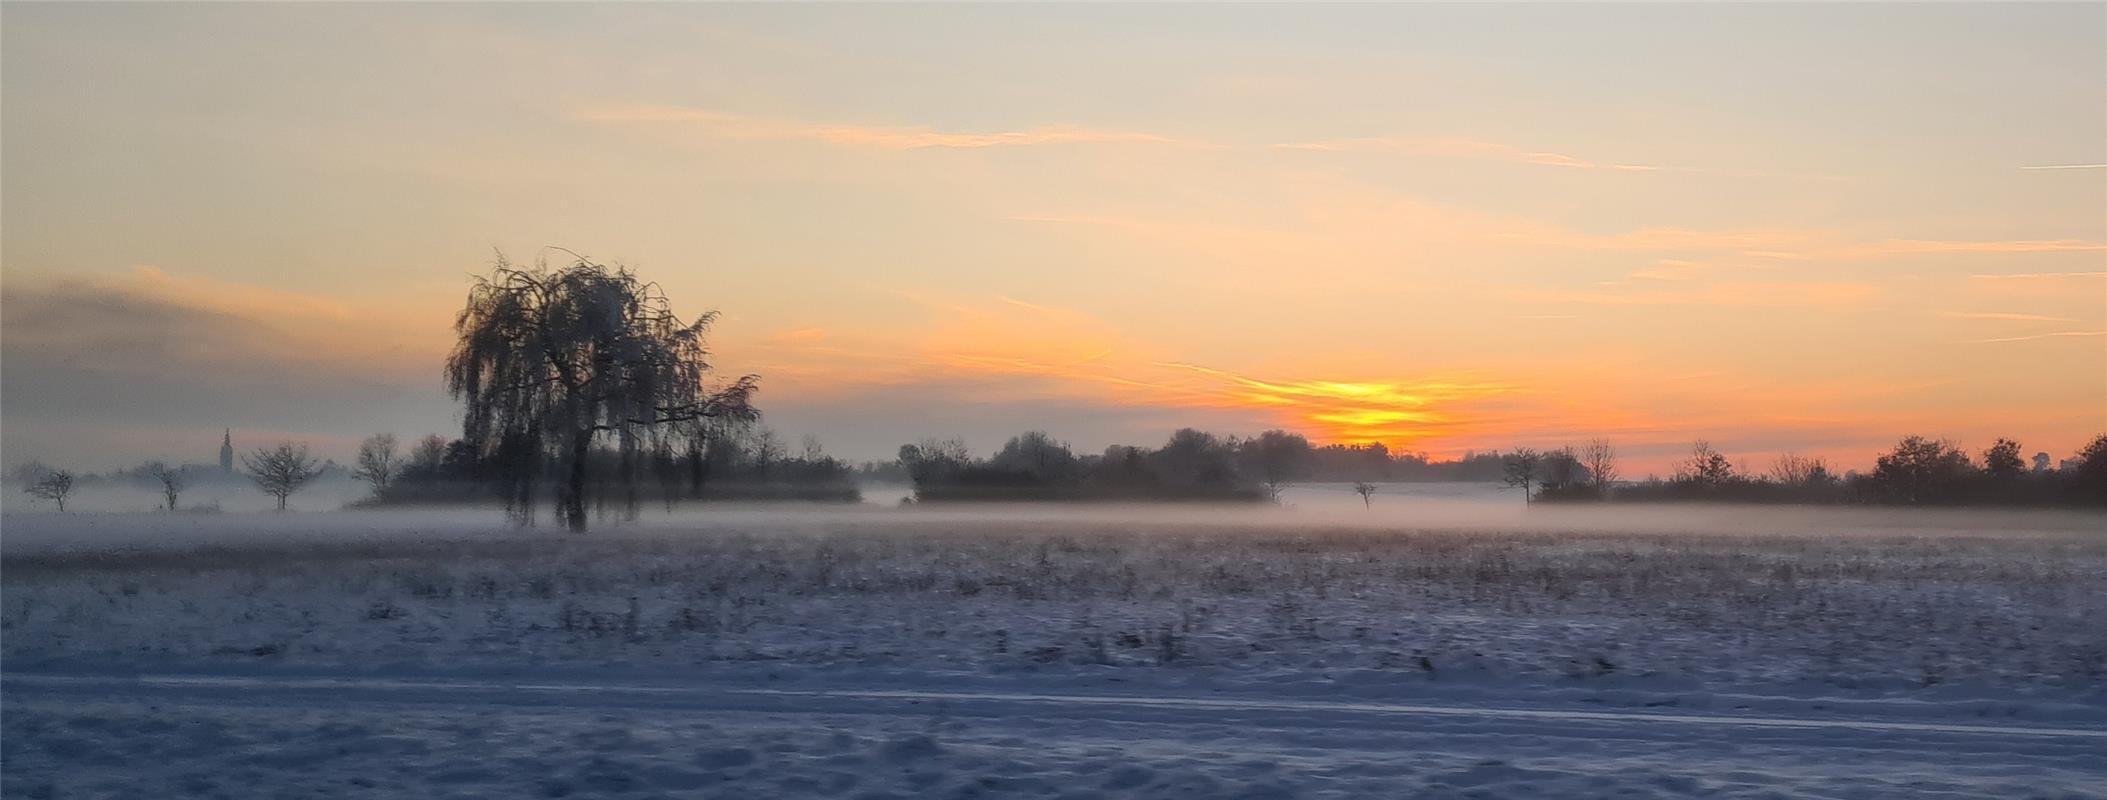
x=279, y=470
x=581, y=389
x=1917, y=471
x=733, y=462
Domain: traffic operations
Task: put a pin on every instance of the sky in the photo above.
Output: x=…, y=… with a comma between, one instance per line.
x=1809, y=227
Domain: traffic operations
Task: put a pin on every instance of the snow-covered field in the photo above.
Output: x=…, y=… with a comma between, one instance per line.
x=1058, y=652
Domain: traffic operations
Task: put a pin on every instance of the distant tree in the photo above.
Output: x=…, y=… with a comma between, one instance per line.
x=2001, y=461
x=53, y=485
x=932, y=459
x=1281, y=457
x=1520, y=469
x=377, y=462
x=280, y=471
x=1194, y=458
x=2090, y=473
x=1921, y=470
x=1561, y=472
x=1037, y=454
x=934, y=449
x=767, y=448
x=171, y=480
x=1705, y=467
x=1600, y=458
x=810, y=445
x=428, y=457
x=2041, y=463
x=1367, y=492
x=1793, y=469
x=550, y=360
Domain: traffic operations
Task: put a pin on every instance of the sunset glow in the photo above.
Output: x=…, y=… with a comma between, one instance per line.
x=1441, y=230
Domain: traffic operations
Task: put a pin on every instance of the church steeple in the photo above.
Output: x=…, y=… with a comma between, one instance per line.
x=226, y=452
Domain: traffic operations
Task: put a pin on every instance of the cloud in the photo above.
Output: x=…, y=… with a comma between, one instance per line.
x=1904, y=247
x=1782, y=294
x=739, y=127
x=1479, y=150
x=2037, y=276
x=2056, y=335
x=117, y=368
x=1789, y=245
x=1668, y=269
x=2066, y=166
x=1456, y=147
x=2003, y=316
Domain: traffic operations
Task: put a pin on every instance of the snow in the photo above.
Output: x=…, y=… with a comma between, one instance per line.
x=1058, y=652
x=419, y=739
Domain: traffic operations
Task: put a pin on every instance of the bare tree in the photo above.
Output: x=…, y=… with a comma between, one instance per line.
x=1600, y=458
x=1281, y=457
x=1366, y=491
x=1038, y=454
x=171, y=480
x=930, y=448
x=552, y=359
x=428, y=457
x=53, y=485
x=1793, y=469
x=768, y=447
x=1706, y=466
x=281, y=470
x=377, y=462
x=1519, y=470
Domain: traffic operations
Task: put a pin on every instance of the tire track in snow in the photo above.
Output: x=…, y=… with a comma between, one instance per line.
x=359, y=690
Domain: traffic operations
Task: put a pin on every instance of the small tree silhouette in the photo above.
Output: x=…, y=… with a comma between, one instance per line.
x=1706, y=466
x=377, y=462
x=1519, y=470
x=1600, y=457
x=1366, y=491
x=171, y=481
x=280, y=471
x=53, y=485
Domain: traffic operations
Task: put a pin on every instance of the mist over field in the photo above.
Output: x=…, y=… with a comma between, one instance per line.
x=1399, y=510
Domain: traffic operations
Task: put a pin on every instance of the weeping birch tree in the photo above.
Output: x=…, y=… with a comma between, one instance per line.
x=552, y=361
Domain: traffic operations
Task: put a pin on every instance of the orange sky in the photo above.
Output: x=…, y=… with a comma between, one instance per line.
x=1811, y=228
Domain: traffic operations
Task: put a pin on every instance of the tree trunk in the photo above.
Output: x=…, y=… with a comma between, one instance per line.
x=573, y=499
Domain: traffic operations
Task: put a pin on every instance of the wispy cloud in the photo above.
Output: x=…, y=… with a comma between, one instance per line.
x=2057, y=334
x=740, y=127
x=1480, y=150
x=1903, y=247
x=2029, y=276
x=1669, y=269
x=1998, y=315
x=1811, y=294
x=1455, y=147
x=1791, y=245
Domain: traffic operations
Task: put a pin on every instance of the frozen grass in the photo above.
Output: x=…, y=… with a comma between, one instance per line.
x=1879, y=609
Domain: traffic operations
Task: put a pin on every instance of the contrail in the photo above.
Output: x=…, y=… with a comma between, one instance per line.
x=2067, y=166
x=2037, y=336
